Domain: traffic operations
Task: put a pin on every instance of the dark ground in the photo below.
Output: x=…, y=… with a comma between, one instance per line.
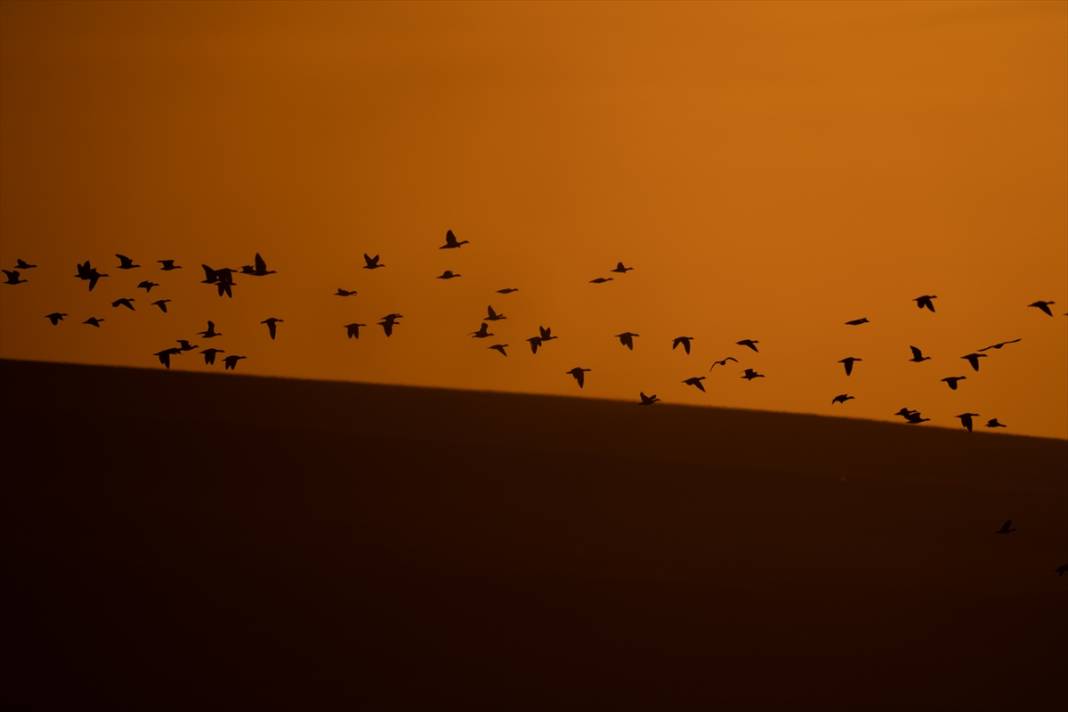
x=188, y=541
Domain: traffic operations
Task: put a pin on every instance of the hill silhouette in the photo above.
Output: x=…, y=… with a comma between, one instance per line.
x=181, y=540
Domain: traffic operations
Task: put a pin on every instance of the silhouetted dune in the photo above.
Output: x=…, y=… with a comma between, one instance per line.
x=181, y=540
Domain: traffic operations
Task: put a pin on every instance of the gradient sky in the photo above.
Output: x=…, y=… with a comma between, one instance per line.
x=770, y=169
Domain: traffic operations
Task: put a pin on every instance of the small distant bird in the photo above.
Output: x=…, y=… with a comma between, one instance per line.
x=621, y=268
x=483, y=332
x=906, y=412
x=56, y=317
x=926, y=301
x=388, y=322
x=230, y=362
x=168, y=265
x=722, y=362
x=750, y=374
x=124, y=302
x=600, y=280
x=842, y=398
x=579, y=374
x=126, y=263
x=499, y=348
x=535, y=343
x=258, y=268
x=917, y=355
x=993, y=423
x=857, y=322
x=13, y=277
x=352, y=330
x=952, y=381
x=1043, y=305
x=162, y=304
x=966, y=420
x=451, y=242
x=507, y=290
x=147, y=285
x=973, y=359
x=89, y=274
x=492, y=315
x=272, y=325
x=209, y=355
x=372, y=262
x=627, y=339
x=1006, y=527
x=345, y=292
x=164, y=356
x=914, y=418
x=93, y=321
x=647, y=400
x=749, y=343
x=1000, y=345
x=695, y=381
x=848, y=362
x=684, y=340
x=23, y=264
x=210, y=332
x=546, y=333
x=448, y=274
x=184, y=345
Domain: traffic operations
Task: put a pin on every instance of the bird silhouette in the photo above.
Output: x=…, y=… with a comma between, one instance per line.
x=914, y=418
x=600, y=280
x=749, y=343
x=848, y=362
x=126, y=263
x=722, y=362
x=222, y=278
x=750, y=374
x=23, y=264
x=230, y=362
x=499, y=348
x=695, y=381
x=1006, y=527
x=579, y=374
x=952, y=381
x=491, y=315
x=124, y=302
x=345, y=292
x=352, y=330
x=388, y=322
x=926, y=301
x=210, y=332
x=94, y=321
x=857, y=322
x=258, y=268
x=993, y=423
x=451, y=243
x=535, y=344
x=627, y=339
x=546, y=333
x=56, y=317
x=162, y=304
x=89, y=274
x=14, y=277
x=647, y=400
x=973, y=359
x=842, y=398
x=483, y=332
x=1043, y=305
x=209, y=355
x=966, y=420
x=184, y=345
x=164, y=356
x=272, y=325
x=906, y=412
x=621, y=268
x=168, y=265
x=449, y=274
x=147, y=285
x=917, y=355
x=372, y=262
x=507, y=290
x=684, y=340
x=1000, y=345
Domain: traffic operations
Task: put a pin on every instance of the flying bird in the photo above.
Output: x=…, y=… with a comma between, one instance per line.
x=579, y=374
x=966, y=420
x=749, y=343
x=926, y=301
x=535, y=343
x=13, y=277
x=684, y=340
x=388, y=322
x=168, y=265
x=209, y=355
x=23, y=264
x=647, y=400
x=147, y=285
x=906, y=412
x=546, y=333
x=993, y=423
x=272, y=325
x=914, y=418
x=210, y=332
x=230, y=362
x=857, y=322
x=372, y=262
x=1000, y=345
x=695, y=381
x=483, y=332
x=842, y=398
x=56, y=317
x=600, y=280
x=750, y=374
x=621, y=268
x=345, y=292
x=973, y=359
x=93, y=321
x=952, y=381
x=848, y=362
x=126, y=263
x=162, y=304
x=451, y=242
x=1043, y=305
x=89, y=274
x=722, y=362
x=627, y=339
x=1006, y=527
x=492, y=315
x=448, y=274
x=507, y=290
x=352, y=330
x=499, y=348
x=164, y=356
x=124, y=302
x=184, y=345
x=917, y=355
x=258, y=268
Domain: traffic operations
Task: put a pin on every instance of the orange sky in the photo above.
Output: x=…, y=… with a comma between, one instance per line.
x=771, y=170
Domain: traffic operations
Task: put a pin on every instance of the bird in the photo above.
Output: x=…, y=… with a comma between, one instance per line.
x=994, y=423
x=272, y=325
x=124, y=302
x=848, y=362
x=449, y=274
x=372, y=262
x=209, y=355
x=93, y=321
x=647, y=400
x=627, y=339
x=483, y=332
x=749, y=343
x=600, y=280
x=1006, y=527
x=546, y=333
x=579, y=374
x=164, y=356
x=230, y=362
x=23, y=264
x=952, y=381
x=341, y=292
x=499, y=348
x=906, y=412
x=388, y=322
x=750, y=374
x=914, y=418
x=222, y=278
x=507, y=290
x=491, y=315
x=210, y=332
x=1000, y=345
x=352, y=330
x=722, y=362
x=14, y=277
x=168, y=265
x=842, y=398
x=162, y=304
x=621, y=268
x=925, y=301
x=973, y=359
x=258, y=268
x=451, y=242
x=56, y=317
x=966, y=420
x=126, y=263
x=89, y=274
x=695, y=381
x=535, y=343
x=147, y=285
x=684, y=340
x=857, y=322
x=184, y=345
x=917, y=355
x=1043, y=305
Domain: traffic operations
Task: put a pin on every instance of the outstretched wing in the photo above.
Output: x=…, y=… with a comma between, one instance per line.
x=916, y=353
x=261, y=265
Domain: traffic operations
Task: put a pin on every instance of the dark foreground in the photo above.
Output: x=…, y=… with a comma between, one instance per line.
x=184, y=541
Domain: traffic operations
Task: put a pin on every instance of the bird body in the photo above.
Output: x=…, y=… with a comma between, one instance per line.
x=600, y=280
x=56, y=317
x=952, y=381
x=352, y=330
x=535, y=344
x=492, y=315
x=621, y=268
x=272, y=325
x=857, y=322
x=507, y=290
x=848, y=362
x=750, y=374
x=925, y=301
x=124, y=302
x=579, y=374
x=722, y=362
x=993, y=423
x=627, y=339
x=966, y=420
x=230, y=362
x=168, y=265
x=647, y=400
x=749, y=343
x=372, y=262
x=345, y=292
x=93, y=321
x=258, y=268
x=164, y=356
x=499, y=348
x=13, y=276
x=162, y=304
x=449, y=274
x=842, y=398
x=684, y=341
x=210, y=332
x=1000, y=345
x=695, y=381
x=483, y=332
x=147, y=285
x=126, y=263
x=1043, y=306
x=546, y=333
x=451, y=243
x=914, y=418
x=388, y=322
x=23, y=264
x=973, y=359
x=184, y=345
x=917, y=355
x=209, y=355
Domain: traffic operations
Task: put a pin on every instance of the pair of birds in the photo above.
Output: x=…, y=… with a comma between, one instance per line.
x=620, y=268
x=966, y=421
x=626, y=338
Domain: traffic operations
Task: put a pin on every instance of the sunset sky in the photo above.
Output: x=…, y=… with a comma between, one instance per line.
x=771, y=170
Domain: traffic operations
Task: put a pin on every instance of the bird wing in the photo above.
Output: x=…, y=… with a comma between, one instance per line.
x=450, y=238
x=261, y=265
x=916, y=353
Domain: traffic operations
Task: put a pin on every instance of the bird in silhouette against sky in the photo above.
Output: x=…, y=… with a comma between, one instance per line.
x=162, y=304
x=56, y=317
x=579, y=374
x=695, y=381
x=209, y=355
x=499, y=348
x=750, y=374
x=952, y=381
x=222, y=278
x=451, y=243
x=749, y=343
x=600, y=280
x=89, y=274
x=372, y=262
x=258, y=268
x=627, y=339
x=1043, y=306
x=272, y=323
x=492, y=315
x=966, y=420
x=23, y=264
x=164, y=356
x=848, y=362
x=621, y=268
x=126, y=263
x=842, y=398
x=647, y=400
x=857, y=322
x=94, y=321
x=184, y=345
x=124, y=302
x=507, y=290
x=546, y=334
x=926, y=301
x=917, y=355
x=973, y=359
x=341, y=292
x=483, y=332
x=210, y=332
x=168, y=265
x=388, y=322
x=230, y=362
x=1000, y=345
x=684, y=340
x=13, y=276
x=147, y=285
x=1006, y=527
x=448, y=274
x=914, y=418
x=352, y=330
x=905, y=412
x=722, y=362
x=535, y=344
x=994, y=423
